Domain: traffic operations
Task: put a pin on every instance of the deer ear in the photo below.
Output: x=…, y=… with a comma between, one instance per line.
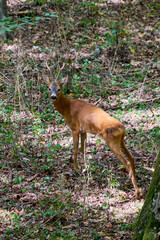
x=63, y=81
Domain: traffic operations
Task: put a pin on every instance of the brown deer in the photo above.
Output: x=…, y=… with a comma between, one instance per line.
x=83, y=117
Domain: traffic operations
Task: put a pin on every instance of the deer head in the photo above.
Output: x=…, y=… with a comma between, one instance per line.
x=55, y=86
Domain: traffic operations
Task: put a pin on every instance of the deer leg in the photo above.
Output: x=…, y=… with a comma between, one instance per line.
x=83, y=147
x=128, y=154
x=75, y=148
x=114, y=146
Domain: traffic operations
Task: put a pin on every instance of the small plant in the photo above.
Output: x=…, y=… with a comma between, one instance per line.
x=8, y=24
x=128, y=226
x=18, y=180
x=115, y=34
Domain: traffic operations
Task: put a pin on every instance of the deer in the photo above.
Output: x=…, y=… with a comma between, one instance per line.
x=82, y=118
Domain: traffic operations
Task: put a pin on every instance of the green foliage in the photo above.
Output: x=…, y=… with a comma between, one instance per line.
x=126, y=226
x=39, y=2
x=115, y=34
x=36, y=147
x=8, y=24
x=154, y=10
x=155, y=133
x=18, y=180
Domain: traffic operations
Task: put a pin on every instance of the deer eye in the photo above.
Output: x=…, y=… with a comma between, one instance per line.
x=58, y=90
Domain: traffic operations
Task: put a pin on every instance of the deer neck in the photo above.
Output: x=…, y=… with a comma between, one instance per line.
x=61, y=103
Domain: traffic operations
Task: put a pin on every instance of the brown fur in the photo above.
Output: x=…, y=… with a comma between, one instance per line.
x=112, y=130
x=82, y=118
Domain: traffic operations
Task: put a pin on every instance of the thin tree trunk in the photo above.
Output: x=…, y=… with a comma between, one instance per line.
x=3, y=9
x=3, y=14
x=148, y=225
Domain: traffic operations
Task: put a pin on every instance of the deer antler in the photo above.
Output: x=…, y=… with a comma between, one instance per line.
x=51, y=75
x=50, y=71
x=60, y=71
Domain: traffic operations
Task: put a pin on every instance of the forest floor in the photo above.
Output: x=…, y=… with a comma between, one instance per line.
x=110, y=50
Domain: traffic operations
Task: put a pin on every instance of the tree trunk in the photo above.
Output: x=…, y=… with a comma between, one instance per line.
x=3, y=9
x=148, y=225
x=3, y=14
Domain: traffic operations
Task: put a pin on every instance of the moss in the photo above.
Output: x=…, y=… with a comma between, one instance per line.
x=150, y=235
